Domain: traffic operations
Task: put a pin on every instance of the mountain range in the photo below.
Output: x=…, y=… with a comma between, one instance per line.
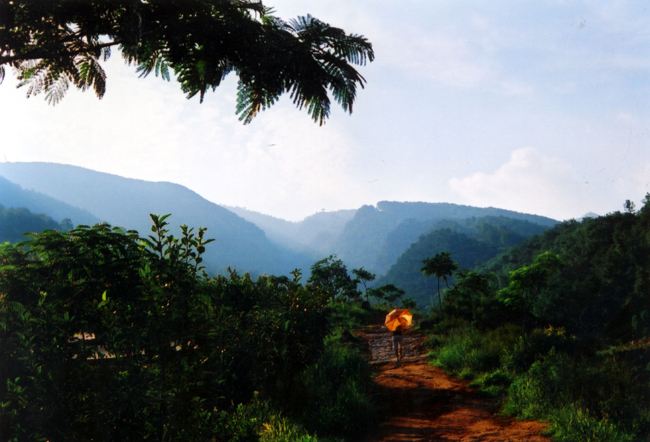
x=373, y=236
x=127, y=203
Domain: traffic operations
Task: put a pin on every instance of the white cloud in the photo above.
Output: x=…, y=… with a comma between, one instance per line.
x=529, y=182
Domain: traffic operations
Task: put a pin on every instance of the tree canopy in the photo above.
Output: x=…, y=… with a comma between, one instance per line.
x=53, y=45
x=441, y=265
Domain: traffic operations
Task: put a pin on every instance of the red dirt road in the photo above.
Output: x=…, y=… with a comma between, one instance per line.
x=425, y=404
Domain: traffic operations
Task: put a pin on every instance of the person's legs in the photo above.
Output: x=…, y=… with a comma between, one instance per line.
x=397, y=347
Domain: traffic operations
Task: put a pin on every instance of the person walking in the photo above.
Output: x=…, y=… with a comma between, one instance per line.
x=398, y=337
x=397, y=322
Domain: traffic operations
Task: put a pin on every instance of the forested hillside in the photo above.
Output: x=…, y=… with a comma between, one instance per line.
x=16, y=222
x=602, y=279
x=366, y=239
x=375, y=237
x=471, y=242
x=559, y=327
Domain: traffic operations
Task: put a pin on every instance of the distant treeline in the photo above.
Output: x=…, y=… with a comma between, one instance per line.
x=15, y=222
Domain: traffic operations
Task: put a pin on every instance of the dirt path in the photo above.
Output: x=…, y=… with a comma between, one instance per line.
x=425, y=404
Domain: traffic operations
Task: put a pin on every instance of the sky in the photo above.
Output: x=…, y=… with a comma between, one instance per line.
x=539, y=106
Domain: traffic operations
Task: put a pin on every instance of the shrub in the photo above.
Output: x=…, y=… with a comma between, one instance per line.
x=572, y=423
x=585, y=399
x=544, y=387
x=108, y=336
x=280, y=429
x=493, y=383
x=472, y=351
x=258, y=420
x=333, y=397
x=529, y=348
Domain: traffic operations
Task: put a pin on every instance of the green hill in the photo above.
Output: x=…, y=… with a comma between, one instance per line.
x=604, y=280
x=471, y=242
x=376, y=236
x=15, y=222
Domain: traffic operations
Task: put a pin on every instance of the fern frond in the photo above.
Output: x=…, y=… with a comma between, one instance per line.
x=105, y=53
x=56, y=90
x=354, y=48
x=251, y=100
x=89, y=73
x=162, y=68
x=343, y=80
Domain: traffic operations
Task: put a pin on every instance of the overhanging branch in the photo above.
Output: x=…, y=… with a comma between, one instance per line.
x=44, y=54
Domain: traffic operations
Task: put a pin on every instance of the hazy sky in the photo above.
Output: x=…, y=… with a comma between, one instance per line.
x=536, y=106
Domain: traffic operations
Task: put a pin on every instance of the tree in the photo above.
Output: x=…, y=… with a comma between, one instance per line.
x=474, y=298
x=54, y=44
x=441, y=265
x=629, y=206
x=362, y=275
x=331, y=276
x=528, y=283
x=388, y=292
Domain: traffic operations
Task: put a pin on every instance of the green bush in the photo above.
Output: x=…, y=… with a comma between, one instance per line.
x=258, y=420
x=280, y=429
x=533, y=346
x=334, y=393
x=572, y=423
x=471, y=351
x=494, y=383
x=108, y=336
x=544, y=387
x=561, y=389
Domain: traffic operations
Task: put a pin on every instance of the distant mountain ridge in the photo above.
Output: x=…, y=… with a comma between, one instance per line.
x=315, y=234
x=471, y=242
x=364, y=238
x=375, y=236
x=371, y=236
x=14, y=195
x=127, y=202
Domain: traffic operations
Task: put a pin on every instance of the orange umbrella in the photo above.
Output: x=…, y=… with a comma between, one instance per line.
x=398, y=317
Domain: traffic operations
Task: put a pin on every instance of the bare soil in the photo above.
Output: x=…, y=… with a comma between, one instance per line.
x=423, y=403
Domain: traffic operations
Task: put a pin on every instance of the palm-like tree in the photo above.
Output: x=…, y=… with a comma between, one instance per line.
x=441, y=266
x=53, y=45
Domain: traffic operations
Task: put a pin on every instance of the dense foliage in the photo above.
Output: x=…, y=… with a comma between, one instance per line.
x=471, y=242
x=56, y=44
x=559, y=328
x=16, y=222
x=108, y=336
